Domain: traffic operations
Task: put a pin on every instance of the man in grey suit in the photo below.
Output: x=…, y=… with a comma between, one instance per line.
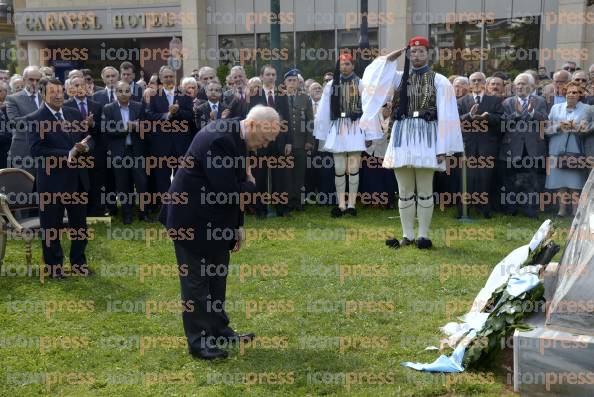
x=523, y=147
x=18, y=106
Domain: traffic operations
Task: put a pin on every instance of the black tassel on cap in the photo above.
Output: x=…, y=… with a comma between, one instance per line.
x=335, y=98
x=402, y=111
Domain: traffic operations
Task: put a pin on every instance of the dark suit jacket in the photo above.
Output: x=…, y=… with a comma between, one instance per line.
x=206, y=211
x=522, y=131
x=202, y=94
x=5, y=137
x=137, y=92
x=56, y=142
x=282, y=107
x=484, y=140
x=101, y=97
x=202, y=114
x=92, y=107
x=116, y=131
x=171, y=143
x=238, y=107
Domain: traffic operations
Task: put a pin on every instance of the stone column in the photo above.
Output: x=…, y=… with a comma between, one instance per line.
x=194, y=30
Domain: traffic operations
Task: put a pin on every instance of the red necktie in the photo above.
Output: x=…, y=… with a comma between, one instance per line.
x=270, y=99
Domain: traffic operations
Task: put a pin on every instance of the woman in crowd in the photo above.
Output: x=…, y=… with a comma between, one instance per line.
x=567, y=123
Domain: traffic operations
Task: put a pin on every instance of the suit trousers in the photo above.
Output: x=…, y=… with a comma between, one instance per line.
x=51, y=217
x=203, y=281
x=128, y=178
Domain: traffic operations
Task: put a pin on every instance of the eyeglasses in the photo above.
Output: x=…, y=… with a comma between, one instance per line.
x=569, y=69
x=581, y=80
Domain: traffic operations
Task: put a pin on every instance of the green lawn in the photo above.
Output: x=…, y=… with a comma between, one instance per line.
x=321, y=318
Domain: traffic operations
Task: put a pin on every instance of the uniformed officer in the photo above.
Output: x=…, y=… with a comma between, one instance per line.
x=300, y=127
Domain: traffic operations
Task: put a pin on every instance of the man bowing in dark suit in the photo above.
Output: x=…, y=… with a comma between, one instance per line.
x=60, y=139
x=210, y=219
x=480, y=117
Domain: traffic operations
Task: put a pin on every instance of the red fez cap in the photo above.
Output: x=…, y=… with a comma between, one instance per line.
x=346, y=56
x=419, y=41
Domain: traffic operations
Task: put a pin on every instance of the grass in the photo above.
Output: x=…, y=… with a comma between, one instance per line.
x=320, y=318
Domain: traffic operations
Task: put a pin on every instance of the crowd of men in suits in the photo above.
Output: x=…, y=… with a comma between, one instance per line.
x=134, y=135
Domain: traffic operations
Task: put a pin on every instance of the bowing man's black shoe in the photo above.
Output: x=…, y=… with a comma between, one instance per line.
x=127, y=220
x=232, y=337
x=337, y=212
x=208, y=353
x=143, y=216
x=424, y=243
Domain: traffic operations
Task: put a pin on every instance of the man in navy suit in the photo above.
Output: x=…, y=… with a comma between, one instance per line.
x=480, y=116
x=172, y=136
x=110, y=76
x=59, y=138
x=97, y=174
x=121, y=124
x=212, y=109
x=208, y=221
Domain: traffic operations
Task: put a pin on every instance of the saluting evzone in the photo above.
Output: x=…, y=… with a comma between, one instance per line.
x=425, y=131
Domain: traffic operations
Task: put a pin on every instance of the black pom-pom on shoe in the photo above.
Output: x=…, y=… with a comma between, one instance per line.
x=424, y=243
x=337, y=212
x=393, y=243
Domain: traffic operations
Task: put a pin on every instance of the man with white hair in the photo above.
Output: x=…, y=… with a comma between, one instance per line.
x=217, y=187
x=205, y=75
x=16, y=83
x=235, y=98
x=189, y=87
x=461, y=86
x=554, y=93
x=47, y=72
x=523, y=147
x=110, y=76
x=18, y=106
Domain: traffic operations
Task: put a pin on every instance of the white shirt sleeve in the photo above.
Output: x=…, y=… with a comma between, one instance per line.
x=379, y=81
x=322, y=120
x=449, y=132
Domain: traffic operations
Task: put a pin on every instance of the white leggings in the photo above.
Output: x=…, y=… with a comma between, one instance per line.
x=347, y=162
x=409, y=181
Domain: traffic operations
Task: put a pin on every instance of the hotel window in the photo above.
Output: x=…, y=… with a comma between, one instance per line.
x=510, y=45
x=315, y=53
x=286, y=53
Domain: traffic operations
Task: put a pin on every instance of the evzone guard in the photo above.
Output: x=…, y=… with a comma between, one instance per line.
x=426, y=129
